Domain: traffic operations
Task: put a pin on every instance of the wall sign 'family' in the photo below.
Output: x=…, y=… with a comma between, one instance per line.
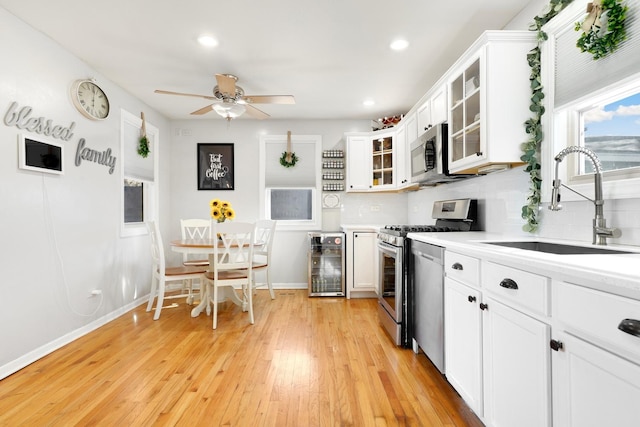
x=22, y=119
x=215, y=166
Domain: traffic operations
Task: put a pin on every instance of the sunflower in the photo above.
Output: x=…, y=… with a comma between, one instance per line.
x=216, y=213
x=221, y=210
x=229, y=213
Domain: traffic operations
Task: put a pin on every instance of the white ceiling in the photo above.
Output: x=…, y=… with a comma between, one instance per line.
x=331, y=55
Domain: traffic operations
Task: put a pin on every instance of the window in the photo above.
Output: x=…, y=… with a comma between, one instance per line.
x=595, y=104
x=139, y=191
x=291, y=195
x=133, y=201
x=612, y=131
x=290, y=204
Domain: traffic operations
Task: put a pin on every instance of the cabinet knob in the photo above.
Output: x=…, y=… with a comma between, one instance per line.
x=556, y=345
x=457, y=266
x=483, y=306
x=471, y=298
x=630, y=326
x=509, y=284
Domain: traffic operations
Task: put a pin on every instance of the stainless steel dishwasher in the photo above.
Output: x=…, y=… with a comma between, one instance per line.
x=427, y=282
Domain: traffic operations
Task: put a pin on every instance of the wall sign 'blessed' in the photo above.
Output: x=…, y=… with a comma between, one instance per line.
x=22, y=119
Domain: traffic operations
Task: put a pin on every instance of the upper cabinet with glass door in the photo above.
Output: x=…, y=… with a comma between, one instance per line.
x=489, y=94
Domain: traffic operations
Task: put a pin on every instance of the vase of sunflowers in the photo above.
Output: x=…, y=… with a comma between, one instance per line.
x=221, y=210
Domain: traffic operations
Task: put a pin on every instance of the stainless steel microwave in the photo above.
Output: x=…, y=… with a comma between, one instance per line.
x=429, y=156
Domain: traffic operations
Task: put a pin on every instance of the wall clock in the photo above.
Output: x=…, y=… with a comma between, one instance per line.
x=89, y=99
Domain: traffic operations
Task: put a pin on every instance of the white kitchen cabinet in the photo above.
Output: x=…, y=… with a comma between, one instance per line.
x=517, y=370
x=411, y=127
x=402, y=171
x=488, y=102
x=496, y=342
x=593, y=387
x=371, y=161
x=362, y=263
x=463, y=342
x=358, y=163
x=596, y=365
x=433, y=110
x=463, y=328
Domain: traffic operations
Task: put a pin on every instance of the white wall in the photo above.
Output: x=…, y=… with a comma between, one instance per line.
x=61, y=233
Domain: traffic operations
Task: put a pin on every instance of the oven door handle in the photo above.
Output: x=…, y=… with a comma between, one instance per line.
x=388, y=249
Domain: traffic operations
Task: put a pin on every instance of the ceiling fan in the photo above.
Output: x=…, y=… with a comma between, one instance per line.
x=230, y=100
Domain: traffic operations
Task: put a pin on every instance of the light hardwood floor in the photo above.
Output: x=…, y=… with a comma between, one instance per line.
x=305, y=362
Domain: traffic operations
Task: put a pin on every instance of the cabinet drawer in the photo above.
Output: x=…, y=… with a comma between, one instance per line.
x=596, y=315
x=521, y=287
x=463, y=268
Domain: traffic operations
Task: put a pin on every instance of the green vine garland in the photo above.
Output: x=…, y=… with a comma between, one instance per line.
x=287, y=164
x=533, y=126
x=603, y=35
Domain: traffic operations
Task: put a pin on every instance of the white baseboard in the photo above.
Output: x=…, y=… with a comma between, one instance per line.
x=40, y=352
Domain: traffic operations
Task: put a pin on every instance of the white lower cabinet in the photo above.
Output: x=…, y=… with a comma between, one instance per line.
x=362, y=263
x=593, y=387
x=517, y=374
x=463, y=342
x=497, y=352
x=596, y=362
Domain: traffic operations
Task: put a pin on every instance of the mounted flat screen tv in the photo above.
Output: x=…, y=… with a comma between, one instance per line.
x=40, y=156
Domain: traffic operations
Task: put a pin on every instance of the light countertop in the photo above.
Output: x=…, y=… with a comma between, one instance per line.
x=360, y=227
x=615, y=273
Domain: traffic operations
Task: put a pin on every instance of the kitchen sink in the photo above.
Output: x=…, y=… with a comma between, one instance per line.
x=557, y=248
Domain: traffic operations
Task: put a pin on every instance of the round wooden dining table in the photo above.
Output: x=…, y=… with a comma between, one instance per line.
x=206, y=246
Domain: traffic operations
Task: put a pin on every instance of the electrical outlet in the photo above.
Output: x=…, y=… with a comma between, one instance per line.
x=375, y=208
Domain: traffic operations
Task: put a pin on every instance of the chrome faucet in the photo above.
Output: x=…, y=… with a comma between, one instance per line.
x=600, y=230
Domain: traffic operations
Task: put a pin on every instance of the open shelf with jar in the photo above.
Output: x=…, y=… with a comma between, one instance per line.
x=333, y=170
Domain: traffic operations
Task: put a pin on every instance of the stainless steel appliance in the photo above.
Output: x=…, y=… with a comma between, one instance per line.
x=326, y=264
x=396, y=298
x=429, y=157
x=427, y=281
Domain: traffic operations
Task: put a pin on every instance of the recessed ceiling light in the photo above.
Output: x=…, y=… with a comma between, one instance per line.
x=399, y=44
x=368, y=102
x=207, y=41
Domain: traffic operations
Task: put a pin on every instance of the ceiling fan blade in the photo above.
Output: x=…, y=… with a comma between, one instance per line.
x=255, y=113
x=226, y=84
x=167, y=92
x=269, y=99
x=203, y=110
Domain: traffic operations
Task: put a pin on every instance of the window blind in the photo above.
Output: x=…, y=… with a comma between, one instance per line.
x=577, y=73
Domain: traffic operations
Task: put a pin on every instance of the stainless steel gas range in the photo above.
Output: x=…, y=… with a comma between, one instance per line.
x=396, y=291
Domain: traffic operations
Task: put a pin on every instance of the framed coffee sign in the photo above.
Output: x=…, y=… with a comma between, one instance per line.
x=215, y=166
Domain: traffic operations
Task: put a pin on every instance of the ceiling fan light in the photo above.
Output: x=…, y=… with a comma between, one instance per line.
x=399, y=44
x=229, y=110
x=207, y=40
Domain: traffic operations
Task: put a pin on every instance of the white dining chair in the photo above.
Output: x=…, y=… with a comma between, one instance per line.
x=161, y=274
x=265, y=232
x=195, y=229
x=230, y=266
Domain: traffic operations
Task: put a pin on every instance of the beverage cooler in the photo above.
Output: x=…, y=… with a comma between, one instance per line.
x=326, y=264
